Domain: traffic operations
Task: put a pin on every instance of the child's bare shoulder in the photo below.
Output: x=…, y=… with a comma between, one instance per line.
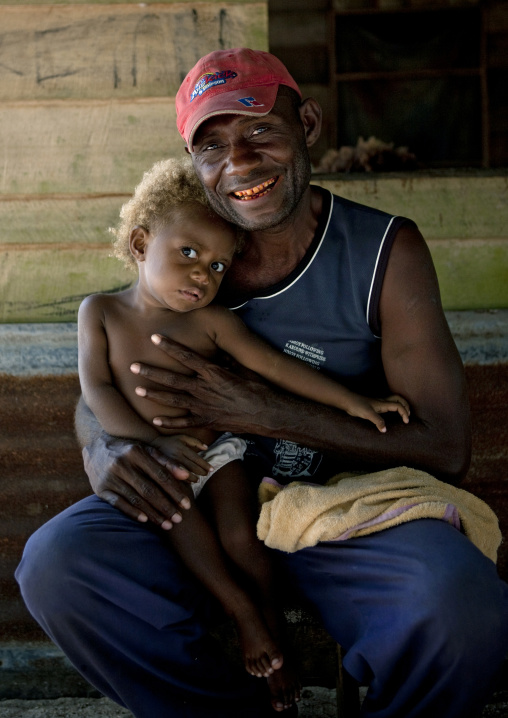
x=95, y=303
x=214, y=316
x=217, y=310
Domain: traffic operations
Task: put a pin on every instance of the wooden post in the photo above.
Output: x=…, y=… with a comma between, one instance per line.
x=348, y=696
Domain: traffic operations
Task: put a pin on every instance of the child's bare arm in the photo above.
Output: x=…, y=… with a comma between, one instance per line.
x=114, y=413
x=297, y=377
x=365, y=408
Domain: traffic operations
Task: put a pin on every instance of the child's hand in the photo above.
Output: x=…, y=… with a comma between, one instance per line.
x=184, y=449
x=369, y=409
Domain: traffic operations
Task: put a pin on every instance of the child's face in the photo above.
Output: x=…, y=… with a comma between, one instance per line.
x=185, y=261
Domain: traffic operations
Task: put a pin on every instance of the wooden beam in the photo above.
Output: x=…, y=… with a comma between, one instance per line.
x=81, y=146
x=58, y=220
x=443, y=205
x=55, y=249
x=47, y=284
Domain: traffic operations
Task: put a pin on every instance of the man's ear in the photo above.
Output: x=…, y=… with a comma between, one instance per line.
x=138, y=242
x=311, y=115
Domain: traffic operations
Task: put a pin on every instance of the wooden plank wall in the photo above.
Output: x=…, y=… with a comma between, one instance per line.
x=463, y=217
x=86, y=105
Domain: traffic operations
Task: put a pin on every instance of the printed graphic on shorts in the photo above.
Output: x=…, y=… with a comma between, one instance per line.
x=211, y=79
x=310, y=354
x=294, y=460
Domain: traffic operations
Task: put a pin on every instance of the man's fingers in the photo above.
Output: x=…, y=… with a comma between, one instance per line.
x=118, y=502
x=165, y=377
x=175, y=380
x=178, y=422
x=181, y=353
x=158, y=495
x=164, y=474
x=168, y=398
x=132, y=509
x=137, y=479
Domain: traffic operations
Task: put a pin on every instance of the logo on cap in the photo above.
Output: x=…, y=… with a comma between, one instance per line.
x=211, y=79
x=250, y=102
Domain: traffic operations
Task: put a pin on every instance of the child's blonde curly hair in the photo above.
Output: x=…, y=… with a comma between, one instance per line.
x=163, y=189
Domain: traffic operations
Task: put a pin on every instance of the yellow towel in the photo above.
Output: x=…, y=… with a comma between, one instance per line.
x=302, y=514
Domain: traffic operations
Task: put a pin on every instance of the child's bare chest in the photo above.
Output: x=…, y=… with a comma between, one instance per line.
x=129, y=341
x=130, y=338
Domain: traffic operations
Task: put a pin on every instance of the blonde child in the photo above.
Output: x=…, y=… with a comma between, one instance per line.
x=182, y=250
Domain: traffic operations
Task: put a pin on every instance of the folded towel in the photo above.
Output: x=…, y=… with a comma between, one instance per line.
x=302, y=514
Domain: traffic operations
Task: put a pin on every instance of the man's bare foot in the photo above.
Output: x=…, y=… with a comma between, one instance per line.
x=284, y=688
x=261, y=655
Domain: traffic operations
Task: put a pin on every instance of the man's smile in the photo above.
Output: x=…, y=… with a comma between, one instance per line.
x=254, y=192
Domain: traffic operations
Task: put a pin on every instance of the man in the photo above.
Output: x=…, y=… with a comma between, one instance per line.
x=420, y=612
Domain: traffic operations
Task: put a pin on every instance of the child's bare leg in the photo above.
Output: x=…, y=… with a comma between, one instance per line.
x=234, y=508
x=198, y=546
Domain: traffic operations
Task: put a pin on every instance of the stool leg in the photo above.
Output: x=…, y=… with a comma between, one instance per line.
x=348, y=695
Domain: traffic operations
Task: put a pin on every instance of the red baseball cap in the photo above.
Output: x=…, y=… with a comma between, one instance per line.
x=238, y=82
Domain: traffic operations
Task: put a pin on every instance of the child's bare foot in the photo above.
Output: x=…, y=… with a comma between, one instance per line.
x=284, y=688
x=261, y=655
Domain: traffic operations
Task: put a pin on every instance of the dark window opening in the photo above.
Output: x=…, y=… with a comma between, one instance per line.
x=432, y=79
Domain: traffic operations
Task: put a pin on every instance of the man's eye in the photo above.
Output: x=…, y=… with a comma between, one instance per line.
x=218, y=266
x=259, y=130
x=189, y=252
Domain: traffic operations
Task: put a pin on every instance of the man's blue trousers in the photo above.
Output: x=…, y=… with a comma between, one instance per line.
x=421, y=613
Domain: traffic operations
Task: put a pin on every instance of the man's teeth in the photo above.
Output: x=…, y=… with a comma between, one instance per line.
x=258, y=191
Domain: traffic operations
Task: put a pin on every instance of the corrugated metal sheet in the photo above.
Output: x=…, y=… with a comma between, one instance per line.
x=41, y=469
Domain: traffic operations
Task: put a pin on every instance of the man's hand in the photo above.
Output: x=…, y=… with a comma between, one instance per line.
x=215, y=397
x=137, y=479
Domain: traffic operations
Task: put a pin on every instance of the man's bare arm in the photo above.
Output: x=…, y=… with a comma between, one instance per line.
x=85, y=424
x=421, y=363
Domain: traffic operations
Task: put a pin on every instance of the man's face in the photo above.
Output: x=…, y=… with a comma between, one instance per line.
x=254, y=170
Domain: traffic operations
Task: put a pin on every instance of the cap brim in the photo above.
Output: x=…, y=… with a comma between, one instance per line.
x=247, y=101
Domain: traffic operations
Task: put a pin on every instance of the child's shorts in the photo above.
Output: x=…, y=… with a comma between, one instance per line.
x=223, y=450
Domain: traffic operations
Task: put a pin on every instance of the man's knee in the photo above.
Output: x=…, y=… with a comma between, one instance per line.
x=461, y=600
x=49, y=555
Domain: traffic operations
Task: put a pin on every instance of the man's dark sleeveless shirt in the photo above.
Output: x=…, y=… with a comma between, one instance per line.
x=326, y=313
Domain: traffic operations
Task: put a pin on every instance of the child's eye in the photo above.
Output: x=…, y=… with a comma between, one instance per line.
x=189, y=252
x=218, y=266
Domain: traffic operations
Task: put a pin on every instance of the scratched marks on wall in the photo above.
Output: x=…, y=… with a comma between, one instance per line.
x=92, y=51
x=86, y=106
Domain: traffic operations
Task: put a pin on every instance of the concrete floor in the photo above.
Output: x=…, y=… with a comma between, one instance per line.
x=315, y=703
